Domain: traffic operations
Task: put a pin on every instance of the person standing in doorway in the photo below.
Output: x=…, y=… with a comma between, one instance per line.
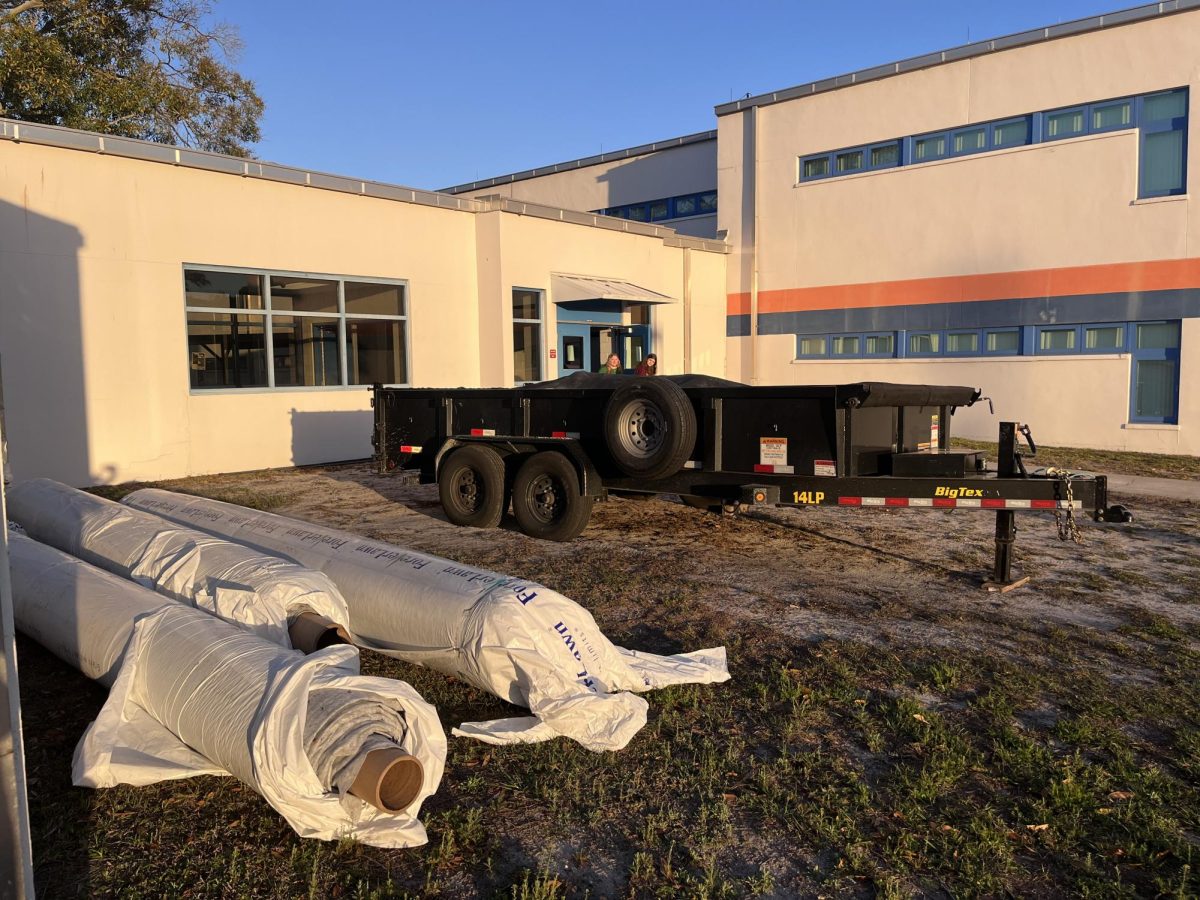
x=648, y=366
x=612, y=366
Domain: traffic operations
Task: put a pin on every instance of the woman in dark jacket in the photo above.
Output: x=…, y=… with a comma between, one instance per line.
x=648, y=366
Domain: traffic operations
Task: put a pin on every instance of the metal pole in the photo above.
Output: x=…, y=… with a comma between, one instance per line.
x=16, y=861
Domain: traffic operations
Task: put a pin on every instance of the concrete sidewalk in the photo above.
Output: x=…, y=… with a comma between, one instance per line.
x=1174, y=488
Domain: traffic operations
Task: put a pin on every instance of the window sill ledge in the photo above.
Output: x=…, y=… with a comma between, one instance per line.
x=1146, y=201
x=1148, y=426
x=981, y=357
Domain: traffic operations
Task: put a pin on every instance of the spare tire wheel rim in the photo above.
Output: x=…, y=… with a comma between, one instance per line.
x=547, y=498
x=641, y=428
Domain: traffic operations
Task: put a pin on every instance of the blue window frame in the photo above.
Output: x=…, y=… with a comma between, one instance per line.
x=684, y=206
x=809, y=346
x=1106, y=338
x=708, y=202
x=1163, y=150
x=962, y=343
x=1161, y=118
x=1001, y=342
x=1154, y=375
x=1054, y=339
x=923, y=343
x=879, y=345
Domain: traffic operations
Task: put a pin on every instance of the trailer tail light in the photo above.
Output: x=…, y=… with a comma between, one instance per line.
x=409, y=448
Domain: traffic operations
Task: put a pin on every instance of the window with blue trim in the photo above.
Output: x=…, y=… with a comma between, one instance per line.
x=1161, y=119
x=1154, y=388
x=666, y=208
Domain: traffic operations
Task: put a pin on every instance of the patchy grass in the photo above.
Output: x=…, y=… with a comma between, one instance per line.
x=1032, y=758
x=1106, y=462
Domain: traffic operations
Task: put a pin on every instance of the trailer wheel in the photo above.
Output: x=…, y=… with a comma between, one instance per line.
x=546, y=499
x=649, y=427
x=471, y=487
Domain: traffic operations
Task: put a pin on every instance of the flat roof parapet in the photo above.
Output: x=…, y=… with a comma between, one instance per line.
x=584, y=162
x=965, y=51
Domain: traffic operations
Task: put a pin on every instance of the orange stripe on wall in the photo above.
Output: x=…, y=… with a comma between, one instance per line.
x=1155, y=275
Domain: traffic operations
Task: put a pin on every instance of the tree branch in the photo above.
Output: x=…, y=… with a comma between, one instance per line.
x=22, y=7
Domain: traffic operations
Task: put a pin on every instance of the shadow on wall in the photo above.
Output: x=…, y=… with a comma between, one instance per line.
x=328, y=437
x=668, y=175
x=41, y=344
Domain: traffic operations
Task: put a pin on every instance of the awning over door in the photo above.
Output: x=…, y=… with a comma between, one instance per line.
x=566, y=288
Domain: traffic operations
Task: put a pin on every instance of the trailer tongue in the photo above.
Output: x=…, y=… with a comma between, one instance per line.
x=553, y=449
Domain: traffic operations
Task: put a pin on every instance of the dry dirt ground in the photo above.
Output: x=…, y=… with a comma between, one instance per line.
x=890, y=730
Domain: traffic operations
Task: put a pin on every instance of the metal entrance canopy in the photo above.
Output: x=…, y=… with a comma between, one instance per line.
x=566, y=288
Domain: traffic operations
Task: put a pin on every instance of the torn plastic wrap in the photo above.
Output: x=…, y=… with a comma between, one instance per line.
x=518, y=640
x=194, y=695
x=259, y=591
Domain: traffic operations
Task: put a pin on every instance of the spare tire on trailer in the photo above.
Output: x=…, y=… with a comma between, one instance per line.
x=649, y=427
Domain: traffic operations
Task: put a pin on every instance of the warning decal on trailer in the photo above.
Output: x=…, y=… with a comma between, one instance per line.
x=825, y=467
x=772, y=451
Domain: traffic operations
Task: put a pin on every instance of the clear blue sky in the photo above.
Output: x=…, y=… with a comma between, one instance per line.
x=434, y=93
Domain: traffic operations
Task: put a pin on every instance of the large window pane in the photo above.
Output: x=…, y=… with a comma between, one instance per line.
x=811, y=346
x=1010, y=134
x=886, y=156
x=1112, y=115
x=962, y=343
x=527, y=351
x=375, y=351
x=295, y=293
x=932, y=147
x=1057, y=339
x=846, y=345
x=1162, y=162
x=881, y=344
x=849, y=162
x=924, y=343
x=526, y=304
x=222, y=290
x=1103, y=337
x=227, y=351
x=817, y=167
x=1163, y=107
x=1158, y=336
x=365, y=299
x=305, y=351
x=1154, y=389
x=1065, y=124
x=1003, y=341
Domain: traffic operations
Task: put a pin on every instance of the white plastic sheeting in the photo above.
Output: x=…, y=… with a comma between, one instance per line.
x=518, y=640
x=194, y=695
x=258, y=591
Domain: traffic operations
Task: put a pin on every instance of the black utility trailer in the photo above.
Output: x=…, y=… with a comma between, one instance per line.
x=552, y=449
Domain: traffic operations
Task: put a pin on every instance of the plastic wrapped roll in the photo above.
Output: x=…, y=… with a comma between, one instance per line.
x=258, y=591
x=518, y=640
x=337, y=754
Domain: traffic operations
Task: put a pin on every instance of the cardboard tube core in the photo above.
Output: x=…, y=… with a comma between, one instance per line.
x=389, y=779
x=310, y=632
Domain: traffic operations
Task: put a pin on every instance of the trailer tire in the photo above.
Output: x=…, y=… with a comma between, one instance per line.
x=471, y=486
x=649, y=428
x=546, y=499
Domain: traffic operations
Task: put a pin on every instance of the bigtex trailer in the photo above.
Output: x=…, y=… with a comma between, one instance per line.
x=554, y=448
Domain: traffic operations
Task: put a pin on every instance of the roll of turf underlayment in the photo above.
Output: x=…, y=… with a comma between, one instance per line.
x=335, y=753
x=513, y=638
x=258, y=591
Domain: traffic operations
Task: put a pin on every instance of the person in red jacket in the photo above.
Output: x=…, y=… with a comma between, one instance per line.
x=648, y=366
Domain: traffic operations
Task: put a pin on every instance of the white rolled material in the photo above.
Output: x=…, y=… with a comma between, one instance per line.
x=259, y=591
x=194, y=695
x=518, y=640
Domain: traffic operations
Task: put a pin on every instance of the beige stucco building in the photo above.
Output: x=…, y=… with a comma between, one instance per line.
x=165, y=312
x=1012, y=215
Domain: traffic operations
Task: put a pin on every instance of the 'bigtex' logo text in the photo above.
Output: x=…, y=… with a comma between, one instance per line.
x=954, y=493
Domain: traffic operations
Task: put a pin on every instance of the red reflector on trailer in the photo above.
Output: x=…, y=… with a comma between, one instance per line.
x=992, y=504
x=1043, y=504
x=849, y=501
x=895, y=501
x=409, y=448
x=483, y=432
x=946, y=502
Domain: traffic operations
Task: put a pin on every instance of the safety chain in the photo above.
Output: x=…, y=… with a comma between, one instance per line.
x=1067, y=528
